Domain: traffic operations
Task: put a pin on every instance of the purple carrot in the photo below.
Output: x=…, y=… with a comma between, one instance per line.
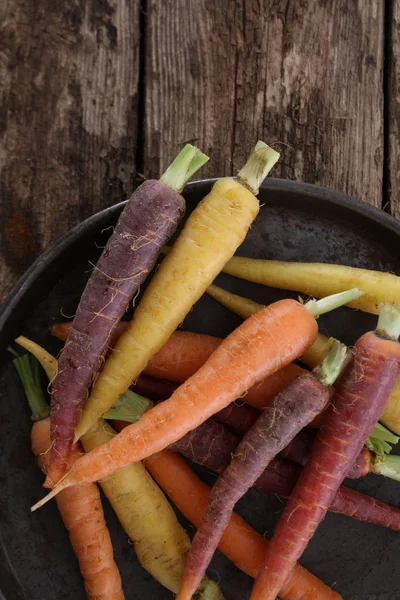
x=212, y=446
x=239, y=418
x=300, y=448
x=153, y=388
x=281, y=476
x=148, y=220
x=289, y=411
x=359, y=401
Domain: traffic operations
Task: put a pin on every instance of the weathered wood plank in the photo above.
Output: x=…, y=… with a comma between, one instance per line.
x=306, y=75
x=393, y=113
x=68, y=118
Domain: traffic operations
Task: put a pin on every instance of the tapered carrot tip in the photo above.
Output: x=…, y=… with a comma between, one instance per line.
x=59, y=454
x=187, y=588
x=62, y=485
x=61, y=330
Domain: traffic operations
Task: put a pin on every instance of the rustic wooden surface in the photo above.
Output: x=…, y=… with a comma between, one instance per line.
x=95, y=92
x=393, y=110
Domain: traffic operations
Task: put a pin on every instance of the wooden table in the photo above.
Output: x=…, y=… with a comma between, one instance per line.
x=94, y=93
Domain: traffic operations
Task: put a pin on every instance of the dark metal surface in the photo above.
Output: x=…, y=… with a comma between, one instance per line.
x=297, y=222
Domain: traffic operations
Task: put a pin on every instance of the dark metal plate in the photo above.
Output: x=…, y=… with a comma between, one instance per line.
x=297, y=222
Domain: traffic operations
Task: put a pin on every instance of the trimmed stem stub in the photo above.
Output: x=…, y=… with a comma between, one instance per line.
x=129, y=407
x=319, y=307
x=388, y=326
x=185, y=165
x=208, y=590
x=261, y=160
x=381, y=440
x=333, y=364
x=389, y=466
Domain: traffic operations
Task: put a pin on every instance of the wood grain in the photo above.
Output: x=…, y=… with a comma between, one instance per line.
x=68, y=118
x=307, y=76
x=392, y=199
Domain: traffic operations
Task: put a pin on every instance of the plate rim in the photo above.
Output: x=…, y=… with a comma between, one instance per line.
x=283, y=185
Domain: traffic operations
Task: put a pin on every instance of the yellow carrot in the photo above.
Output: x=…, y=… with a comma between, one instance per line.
x=160, y=542
x=315, y=353
x=145, y=514
x=391, y=414
x=319, y=280
x=48, y=362
x=210, y=237
x=244, y=307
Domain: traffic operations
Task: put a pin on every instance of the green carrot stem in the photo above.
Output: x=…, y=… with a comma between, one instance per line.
x=320, y=307
x=388, y=322
x=28, y=369
x=129, y=407
x=383, y=433
x=261, y=160
x=333, y=364
x=381, y=440
x=185, y=165
x=389, y=466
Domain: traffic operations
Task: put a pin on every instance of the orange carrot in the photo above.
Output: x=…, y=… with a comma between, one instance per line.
x=240, y=543
x=80, y=506
x=61, y=331
x=82, y=513
x=261, y=345
x=261, y=394
x=185, y=353
x=180, y=357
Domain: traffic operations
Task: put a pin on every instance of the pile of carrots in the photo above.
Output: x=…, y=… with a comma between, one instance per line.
x=128, y=398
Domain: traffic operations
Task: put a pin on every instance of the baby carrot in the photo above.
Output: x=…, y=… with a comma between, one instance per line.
x=185, y=353
x=261, y=345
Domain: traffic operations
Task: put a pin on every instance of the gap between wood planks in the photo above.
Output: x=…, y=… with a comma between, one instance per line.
x=141, y=90
x=387, y=82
